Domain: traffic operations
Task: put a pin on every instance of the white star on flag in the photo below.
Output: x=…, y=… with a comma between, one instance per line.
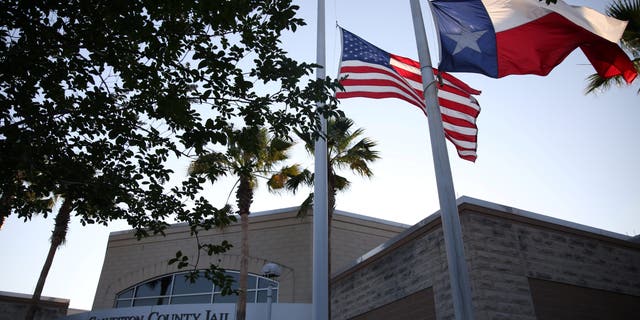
x=466, y=39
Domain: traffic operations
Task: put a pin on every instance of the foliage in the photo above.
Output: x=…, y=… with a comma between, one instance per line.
x=96, y=97
x=596, y=83
x=250, y=154
x=346, y=149
x=626, y=10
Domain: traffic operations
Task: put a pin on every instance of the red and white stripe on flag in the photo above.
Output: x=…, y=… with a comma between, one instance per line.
x=403, y=81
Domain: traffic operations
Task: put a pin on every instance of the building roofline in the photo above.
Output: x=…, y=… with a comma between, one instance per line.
x=339, y=212
x=391, y=242
x=273, y=211
x=541, y=217
x=488, y=205
x=372, y=219
x=290, y=209
x=24, y=296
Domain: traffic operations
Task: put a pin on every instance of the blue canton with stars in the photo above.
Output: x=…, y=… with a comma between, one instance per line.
x=467, y=37
x=354, y=48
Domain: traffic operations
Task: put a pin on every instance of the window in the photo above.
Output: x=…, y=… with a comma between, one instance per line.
x=178, y=289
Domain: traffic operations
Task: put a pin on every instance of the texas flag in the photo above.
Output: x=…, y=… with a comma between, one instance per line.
x=502, y=37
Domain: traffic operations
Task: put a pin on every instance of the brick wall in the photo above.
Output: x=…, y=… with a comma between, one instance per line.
x=504, y=251
x=556, y=301
x=415, y=306
x=279, y=237
x=15, y=305
x=497, y=270
x=414, y=264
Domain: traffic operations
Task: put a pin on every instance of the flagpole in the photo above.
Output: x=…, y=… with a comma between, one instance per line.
x=320, y=295
x=458, y=273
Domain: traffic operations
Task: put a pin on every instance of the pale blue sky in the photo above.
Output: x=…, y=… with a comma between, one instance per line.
x=543, y=147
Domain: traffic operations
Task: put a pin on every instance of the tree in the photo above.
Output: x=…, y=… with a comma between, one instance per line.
x=96, y=97
x=626, y=10
x=345, y=150
x=58, y=237
x=251, y=153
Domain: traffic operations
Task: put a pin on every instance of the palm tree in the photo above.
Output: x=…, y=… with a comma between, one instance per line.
x=58, y=237
x=345, y=150
x=40, y=204
x=251, y=153
x=627, y=10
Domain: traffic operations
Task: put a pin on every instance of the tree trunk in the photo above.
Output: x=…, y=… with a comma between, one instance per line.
x=58, y=236
x=244, y=268
x=244, y=197
x=331, y=199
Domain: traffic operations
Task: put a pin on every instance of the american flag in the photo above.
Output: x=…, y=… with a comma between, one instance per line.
x=370, y=72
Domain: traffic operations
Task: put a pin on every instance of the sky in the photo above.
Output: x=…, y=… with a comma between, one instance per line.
x=543, y=146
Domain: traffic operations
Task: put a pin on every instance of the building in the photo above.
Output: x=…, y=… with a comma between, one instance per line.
x=522, y=265
x=15, y=305
x=277, y=236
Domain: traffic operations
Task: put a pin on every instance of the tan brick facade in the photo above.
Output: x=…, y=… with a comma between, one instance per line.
x=506, y=250
x=15, y=305
x=277, y=236
x=521, y=265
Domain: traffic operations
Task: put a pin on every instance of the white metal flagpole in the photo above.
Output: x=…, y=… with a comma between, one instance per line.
x=458, y=273
x=320, y=295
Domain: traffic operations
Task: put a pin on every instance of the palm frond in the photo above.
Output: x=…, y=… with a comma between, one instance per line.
x=277, y=150
x=360, y=167
x=307, y=139
x=278, y=180
x=621, y=9
x=251, y=153
x=211, y=165
x=339, y=134
x=347, y=150
x=628, y=10
x=341, y=183
x=358, y=156
x=304, y=178
x=306, y=205
x=596, y=83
